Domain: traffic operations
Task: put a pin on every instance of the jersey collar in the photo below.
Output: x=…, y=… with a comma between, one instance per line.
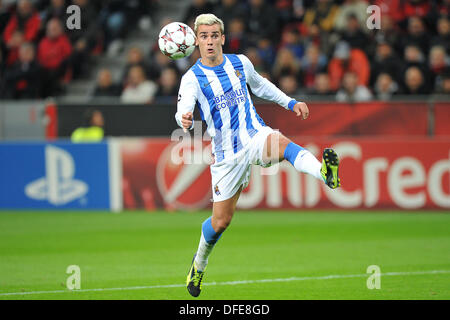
x=215, y=67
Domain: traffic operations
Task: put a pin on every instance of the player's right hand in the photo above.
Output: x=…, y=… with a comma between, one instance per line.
x=186, y=121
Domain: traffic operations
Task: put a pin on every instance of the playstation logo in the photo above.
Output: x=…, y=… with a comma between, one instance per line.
x=58, y=186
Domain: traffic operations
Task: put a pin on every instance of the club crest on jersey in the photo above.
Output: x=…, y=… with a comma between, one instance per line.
x=216, y=190
x=238, y=73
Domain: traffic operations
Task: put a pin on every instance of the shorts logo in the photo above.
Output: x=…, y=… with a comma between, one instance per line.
x=216, y=190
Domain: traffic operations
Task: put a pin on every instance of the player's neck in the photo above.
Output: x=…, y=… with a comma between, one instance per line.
x=213, y=61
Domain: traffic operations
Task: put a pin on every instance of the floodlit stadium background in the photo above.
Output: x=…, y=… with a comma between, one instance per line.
x=376, y=80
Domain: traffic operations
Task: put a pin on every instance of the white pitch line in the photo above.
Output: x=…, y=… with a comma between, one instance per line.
x=231, y=283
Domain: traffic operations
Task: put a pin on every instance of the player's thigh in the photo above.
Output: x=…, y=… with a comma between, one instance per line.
x=274, y=147
x=223, y=212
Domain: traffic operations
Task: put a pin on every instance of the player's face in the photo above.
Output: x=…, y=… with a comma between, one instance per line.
x=210, y=41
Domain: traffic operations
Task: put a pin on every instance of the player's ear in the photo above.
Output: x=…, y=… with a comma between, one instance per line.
x=223, y=39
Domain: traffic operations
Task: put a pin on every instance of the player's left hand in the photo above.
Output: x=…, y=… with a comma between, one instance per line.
x=301, y=109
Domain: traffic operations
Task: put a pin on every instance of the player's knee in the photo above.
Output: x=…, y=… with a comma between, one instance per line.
x=221, y=224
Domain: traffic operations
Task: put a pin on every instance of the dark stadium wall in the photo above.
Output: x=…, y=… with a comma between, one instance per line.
x=359, y=119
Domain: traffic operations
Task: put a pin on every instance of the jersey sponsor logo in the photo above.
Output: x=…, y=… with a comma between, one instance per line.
x=230, y=99
x=58, y=186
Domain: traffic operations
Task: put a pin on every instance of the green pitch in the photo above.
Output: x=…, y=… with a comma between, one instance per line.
x=263, y=255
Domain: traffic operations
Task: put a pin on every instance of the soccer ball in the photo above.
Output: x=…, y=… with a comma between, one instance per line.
x=176, y=40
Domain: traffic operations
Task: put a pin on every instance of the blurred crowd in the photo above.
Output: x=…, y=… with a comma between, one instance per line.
x=42, y=49
x=305, y=47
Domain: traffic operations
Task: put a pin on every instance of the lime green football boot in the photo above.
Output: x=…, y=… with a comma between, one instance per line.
x=330, y=168
x=194, y=280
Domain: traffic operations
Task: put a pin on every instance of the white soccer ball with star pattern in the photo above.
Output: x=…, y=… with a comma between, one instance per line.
x=176, y=40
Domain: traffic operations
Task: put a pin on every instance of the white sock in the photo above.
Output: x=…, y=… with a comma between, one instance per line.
x=306, y=162
x=203, y=251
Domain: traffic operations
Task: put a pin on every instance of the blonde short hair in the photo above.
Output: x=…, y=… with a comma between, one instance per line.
x=208, y=19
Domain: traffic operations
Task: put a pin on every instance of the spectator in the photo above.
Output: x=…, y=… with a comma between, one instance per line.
x=105, y=86
x=443, y=36
x=288, y=84
x=438, y=63
x=113, y=21
x=285, y=63
x=322, y=85
x=139, y=12
x=389, y=32
x=117, y=17
x=323, y=14
x=252, y=54
x=443, y=8
x=138, y=89
x=196, y=8
x=354, y=36
x=53, y=55
x=416, y=35
x=85, y=39
x=324, y=40
x=311, y=64
x=236, y=41
x=420, y=8
x=348, y=60
x=385, y=61
x=443, y=86
x=231, y=9
x=56, y=9
x=158, y=62
x=22, y=26
x=414, y=56
x=385, y=87
x=291, y=40
x=266, y=51
x=135, y=57
x=358, y=8
x=168, y=85
x=258, y=24
x=298, y=10
x=91, y=129
x=351, y=91
x=414, y=82
x=284, y=10
x=22, y=80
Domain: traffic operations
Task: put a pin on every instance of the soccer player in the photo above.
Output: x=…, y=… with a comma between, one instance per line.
x=217, y=85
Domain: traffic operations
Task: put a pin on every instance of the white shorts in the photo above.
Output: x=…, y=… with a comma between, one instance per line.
x=229, y=175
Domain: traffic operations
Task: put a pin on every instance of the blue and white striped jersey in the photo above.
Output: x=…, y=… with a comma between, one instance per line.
x=224, y=102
